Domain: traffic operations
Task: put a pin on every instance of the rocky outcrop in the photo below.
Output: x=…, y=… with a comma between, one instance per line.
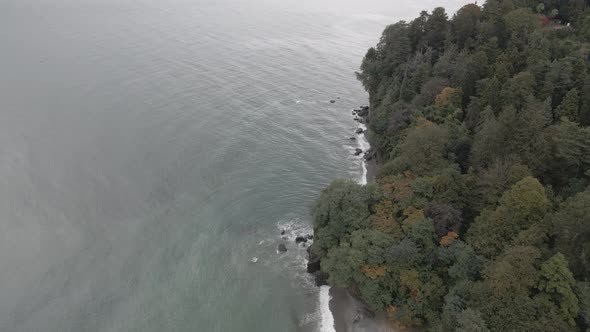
x=300, y=239
x=314, y=268
x=313, y=264
x=363, y=111
x=321, y=278
x=369, y=155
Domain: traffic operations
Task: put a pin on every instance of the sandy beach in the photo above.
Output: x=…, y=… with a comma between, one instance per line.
x=350, y=315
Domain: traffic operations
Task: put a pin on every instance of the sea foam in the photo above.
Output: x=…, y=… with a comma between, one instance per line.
x=365, y=146
x=327, y=319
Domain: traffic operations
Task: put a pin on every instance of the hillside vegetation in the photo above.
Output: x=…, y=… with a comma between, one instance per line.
x=479, y=219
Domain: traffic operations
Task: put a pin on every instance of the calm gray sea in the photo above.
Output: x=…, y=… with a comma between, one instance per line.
x=149, y=149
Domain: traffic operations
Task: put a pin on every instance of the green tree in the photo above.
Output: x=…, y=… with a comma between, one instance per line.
x=470, y=320
x=464, y=23
x=557, y=284
x=571, y=228
x=583, y=293
x=569, y=107
x=517, y=90
x=342, y=208
x=571, y=150
x=520, y=23
x=423, y=150
x=417, y=29
x=520, y=207
x=435, y=29
x=342, y=263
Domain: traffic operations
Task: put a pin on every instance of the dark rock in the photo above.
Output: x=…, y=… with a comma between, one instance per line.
x=282, y=232
x=358, y=152
x=282, y=247
x=352, y=138
x=313, y=264
x=310, y=237
x=332, y=101
x=300, y=239
x=359, y=131
x=321, y=278
x=364, y=111
x=369, y=155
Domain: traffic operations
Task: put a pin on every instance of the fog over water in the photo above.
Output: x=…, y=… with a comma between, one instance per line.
x=149, y=149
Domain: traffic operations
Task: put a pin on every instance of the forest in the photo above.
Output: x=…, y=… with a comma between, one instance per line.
x=479, y=217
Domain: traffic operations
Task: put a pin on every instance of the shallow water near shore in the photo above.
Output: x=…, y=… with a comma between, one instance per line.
x=150, y=149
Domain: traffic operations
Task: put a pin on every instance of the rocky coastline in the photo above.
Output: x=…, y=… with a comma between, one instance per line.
x=349, y=312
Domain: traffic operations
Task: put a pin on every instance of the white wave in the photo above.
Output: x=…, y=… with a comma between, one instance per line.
x=296, y=255
x=294, y=228
x=326, y=318
x=363, y=144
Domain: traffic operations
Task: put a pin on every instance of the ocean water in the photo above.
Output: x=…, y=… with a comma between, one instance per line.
x=149, y=149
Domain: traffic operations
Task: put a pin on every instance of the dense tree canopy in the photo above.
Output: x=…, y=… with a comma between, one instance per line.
x=479, y=219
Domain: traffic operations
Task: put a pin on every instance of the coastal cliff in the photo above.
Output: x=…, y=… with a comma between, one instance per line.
x=478, y=218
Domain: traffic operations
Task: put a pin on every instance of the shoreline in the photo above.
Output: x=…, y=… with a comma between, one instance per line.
x=348, y=313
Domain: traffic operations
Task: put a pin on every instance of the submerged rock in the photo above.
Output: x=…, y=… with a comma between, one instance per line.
x=332, y=101
x=352, y=138
x=359, y=131
x=282, y=232
x=300, y=239
x=282, y=247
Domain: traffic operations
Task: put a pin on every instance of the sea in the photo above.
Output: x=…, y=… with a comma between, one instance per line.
x=153, y=151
